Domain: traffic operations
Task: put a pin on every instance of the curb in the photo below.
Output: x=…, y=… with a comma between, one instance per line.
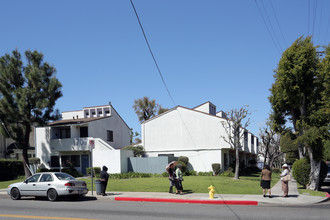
x=213, y=202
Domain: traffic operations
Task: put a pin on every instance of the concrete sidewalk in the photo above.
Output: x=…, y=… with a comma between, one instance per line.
x=203, y=198
x=294, y=197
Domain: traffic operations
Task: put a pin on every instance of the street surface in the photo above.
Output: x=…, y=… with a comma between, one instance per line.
x=91, y=208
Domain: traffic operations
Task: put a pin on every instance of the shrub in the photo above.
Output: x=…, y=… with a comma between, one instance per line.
x=138, y=151
x=228, y=173
x=301, y=169
x=72, y=172
x=184, y=160
x=10, y=169
x=276, y=170
x=191, y=173
x=216, y=168
x=249, y=170
x=96, y=171
x=130, y=175
x=164, y=174
x=205, y=173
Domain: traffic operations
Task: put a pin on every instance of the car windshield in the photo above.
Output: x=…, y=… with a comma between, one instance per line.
x=64, y=176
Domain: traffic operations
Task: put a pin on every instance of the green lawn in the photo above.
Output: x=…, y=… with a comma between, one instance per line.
x=195, y=184
x=302, y=190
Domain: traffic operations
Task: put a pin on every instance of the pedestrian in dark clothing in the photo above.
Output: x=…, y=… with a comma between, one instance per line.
x=266, y=178
x=171, y=175
x=104, y=180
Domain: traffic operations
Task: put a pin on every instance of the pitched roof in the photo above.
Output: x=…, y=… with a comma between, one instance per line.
x=75, y=121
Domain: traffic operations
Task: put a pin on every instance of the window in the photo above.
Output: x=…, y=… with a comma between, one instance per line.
x=110, y=135
x=252, y=139
x=46, y=178
x=65, y=160
x=55, y=161
x=65, y=132
x=33, y=178
x=75, y=160
x=83, y=131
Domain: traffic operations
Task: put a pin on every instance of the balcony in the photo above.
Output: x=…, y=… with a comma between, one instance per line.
x=77, y=144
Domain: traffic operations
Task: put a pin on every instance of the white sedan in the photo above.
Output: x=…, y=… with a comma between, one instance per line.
x=50, y=185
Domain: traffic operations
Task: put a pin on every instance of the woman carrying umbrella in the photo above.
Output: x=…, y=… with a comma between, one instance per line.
x=171, y=175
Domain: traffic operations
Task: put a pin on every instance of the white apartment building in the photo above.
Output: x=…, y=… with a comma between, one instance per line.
x=195, y=133
x=93, y=135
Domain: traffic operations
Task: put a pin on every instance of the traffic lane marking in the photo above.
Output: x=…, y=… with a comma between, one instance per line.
x=45, y=217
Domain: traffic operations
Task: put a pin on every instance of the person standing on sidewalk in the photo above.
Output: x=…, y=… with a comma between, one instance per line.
x=171, y=175
x=285, y=184
x=179, y=179
x=104, y=180
x=266, y=178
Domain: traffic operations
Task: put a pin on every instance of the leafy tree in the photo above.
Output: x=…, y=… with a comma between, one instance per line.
x=146, y=108
x=234, y=128
x=134, y=137
x=137, y=150
x=300, y=95
x=161, y=109
x=292, y=92
x=28, y=93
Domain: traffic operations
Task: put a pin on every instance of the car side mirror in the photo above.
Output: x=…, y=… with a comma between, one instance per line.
x=25, y=181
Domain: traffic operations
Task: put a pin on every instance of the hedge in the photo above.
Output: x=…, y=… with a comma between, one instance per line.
x=11, y=169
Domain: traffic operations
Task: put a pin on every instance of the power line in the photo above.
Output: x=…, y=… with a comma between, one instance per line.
x=152, y=54
x=271, y=26
x=262, y=16
x=278, y=24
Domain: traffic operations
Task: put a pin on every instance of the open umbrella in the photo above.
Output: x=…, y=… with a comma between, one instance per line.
x=172, y=163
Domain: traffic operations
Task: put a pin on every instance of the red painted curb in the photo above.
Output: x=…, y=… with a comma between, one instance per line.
x=214, y=202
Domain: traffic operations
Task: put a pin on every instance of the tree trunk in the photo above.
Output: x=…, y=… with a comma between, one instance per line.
x=26, y=162
x=314, y=176
x=237, y=165
x=25, y=151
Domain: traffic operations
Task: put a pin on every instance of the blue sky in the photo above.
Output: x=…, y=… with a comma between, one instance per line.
x=210, y=50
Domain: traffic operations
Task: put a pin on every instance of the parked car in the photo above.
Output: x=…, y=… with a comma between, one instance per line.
x=327, y=178
x=50, y=185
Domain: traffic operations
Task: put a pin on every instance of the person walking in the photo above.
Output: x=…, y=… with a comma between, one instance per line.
x=285, y=184
x=171, y=175
x=179, y=179
x=104, y=180
x=266, y=178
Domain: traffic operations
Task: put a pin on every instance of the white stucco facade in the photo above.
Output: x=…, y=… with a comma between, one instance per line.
x=93, y=135
x=195, y=133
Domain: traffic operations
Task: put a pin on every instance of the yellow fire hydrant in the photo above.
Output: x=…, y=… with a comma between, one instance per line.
x=211, y=192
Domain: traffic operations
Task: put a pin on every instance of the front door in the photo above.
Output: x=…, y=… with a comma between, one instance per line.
x=84, y=163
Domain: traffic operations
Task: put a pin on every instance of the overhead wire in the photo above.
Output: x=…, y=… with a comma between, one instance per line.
x=270, y=33
x=271, y=26
x=278, y=24
x=152, y=54
x=154, y=59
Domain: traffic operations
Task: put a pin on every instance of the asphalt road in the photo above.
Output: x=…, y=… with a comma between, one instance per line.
x=90, y=208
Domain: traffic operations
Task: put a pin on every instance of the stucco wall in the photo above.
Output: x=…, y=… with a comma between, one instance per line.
x=183, y=129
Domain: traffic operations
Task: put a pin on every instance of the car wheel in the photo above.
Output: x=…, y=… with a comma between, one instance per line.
x=15, y=194
x=52, y=195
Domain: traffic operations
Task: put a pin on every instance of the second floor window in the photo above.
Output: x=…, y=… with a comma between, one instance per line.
x=110, y=135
